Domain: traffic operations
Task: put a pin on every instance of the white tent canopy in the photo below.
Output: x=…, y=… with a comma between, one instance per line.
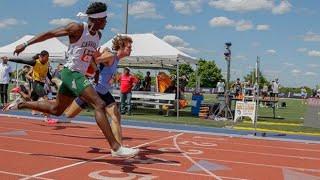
x=149, y=51
x=54, y=46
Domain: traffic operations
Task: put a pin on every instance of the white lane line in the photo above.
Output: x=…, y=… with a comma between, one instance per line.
x=250, y=152
x=309, y=142
x=218, y=149
x=245, y=144
x=190, y=159
x=264, y=146
x=137, y=132
x=41, y=141
x=252, y=164
x=103, y=163
x=82, y=162
x=21, y=175
x=302, y=141
x=229, y=143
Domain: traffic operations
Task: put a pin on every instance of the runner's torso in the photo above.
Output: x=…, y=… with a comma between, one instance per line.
x=40, y=71
x=80, y=53
x=105, y=76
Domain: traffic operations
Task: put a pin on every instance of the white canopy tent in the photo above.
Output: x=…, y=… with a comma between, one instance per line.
x=54, y=46
x=148, y=51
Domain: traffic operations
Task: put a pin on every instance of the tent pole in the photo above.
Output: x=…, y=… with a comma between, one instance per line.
x=197, y=79
x=178, y=88
x=257, y=93
x=126, y=15
x=17, y=75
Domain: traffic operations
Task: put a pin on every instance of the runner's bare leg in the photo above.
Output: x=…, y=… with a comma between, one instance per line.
x=113, y=112
x=90, y=96
x=51, y=107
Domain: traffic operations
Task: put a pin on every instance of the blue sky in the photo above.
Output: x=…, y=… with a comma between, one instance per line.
x=285, y=34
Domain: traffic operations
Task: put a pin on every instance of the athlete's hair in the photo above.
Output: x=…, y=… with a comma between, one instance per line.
x=120, y=41
x=127, y=69
x=44, y=53
x=96, y=7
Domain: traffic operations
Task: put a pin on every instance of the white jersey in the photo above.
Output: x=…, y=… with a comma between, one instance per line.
x=80, y=53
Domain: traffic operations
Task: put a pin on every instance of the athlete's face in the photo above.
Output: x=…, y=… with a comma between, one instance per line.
x=99, y=23
x=44, y=58
x=127, y=49
x=5, y=60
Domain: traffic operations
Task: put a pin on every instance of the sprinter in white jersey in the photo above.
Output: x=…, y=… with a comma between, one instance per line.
x=108, y=63
x=84, y=40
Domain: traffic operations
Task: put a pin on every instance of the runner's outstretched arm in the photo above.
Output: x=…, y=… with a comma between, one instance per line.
x=23, y=61
x=71, y=30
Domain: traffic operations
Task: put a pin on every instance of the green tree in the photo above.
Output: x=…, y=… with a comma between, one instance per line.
x=184, y=70
x=209, y=74
x=297, y=90
x=139, y=75
x=262, y=80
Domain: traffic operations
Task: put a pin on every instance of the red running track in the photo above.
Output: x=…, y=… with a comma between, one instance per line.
x=31, y=149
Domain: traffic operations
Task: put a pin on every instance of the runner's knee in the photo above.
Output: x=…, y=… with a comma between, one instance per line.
x=56, y=111
x=116, y=118
x=99, y=105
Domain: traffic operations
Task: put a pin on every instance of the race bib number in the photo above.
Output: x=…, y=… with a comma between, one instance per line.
x=87, y=55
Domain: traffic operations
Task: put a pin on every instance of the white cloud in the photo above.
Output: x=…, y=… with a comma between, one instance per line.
x=311, y=37
x=221, y=21
x=188, y=50
x=255, y=44
x=302, y=49
x=5, y=23
x=263, y=27
x=295, y=71
x=175, y=41
x=180, y=27
x=271, y=51
x=310, y=73
x=144, y=9
x=313, y=65
x=243, y=25
x=64, y=3
x=288, y=64
x=240, y=57
x=271, y=73
x=110, y=14
x=61, y=21
x=251, y=5
x=314, y=53
x=282, y=8
x=241, y=5
x=179, y=44
x=187, y=6
x=115, y=30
